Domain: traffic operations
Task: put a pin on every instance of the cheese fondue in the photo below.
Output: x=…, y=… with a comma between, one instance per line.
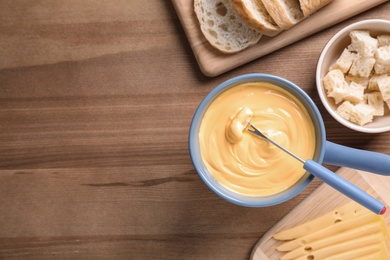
x=247, y=164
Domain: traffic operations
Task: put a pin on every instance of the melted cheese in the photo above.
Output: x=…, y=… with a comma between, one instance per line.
x=247, y=164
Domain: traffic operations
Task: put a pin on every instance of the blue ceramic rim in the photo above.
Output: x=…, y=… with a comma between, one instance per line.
x=229, y=195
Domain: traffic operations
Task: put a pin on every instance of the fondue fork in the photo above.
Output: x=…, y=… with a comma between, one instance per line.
x=329, y=177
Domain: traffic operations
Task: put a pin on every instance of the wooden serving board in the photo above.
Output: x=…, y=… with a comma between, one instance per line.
x=213, y=63
x=320, y=201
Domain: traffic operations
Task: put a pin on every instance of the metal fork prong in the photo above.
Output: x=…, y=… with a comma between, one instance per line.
x=260, y=134
x=256, y=131
x=251, y=130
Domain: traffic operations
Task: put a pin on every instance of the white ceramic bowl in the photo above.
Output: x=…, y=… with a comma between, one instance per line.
x=331, y=53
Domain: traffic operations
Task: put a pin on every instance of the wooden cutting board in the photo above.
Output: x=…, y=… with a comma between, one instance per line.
x=213, y=63
x=320, y=201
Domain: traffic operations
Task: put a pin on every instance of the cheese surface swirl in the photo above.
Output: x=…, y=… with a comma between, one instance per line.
x=247, y=164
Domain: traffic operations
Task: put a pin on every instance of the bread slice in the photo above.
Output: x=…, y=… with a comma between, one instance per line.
x=286, y=13
x=222, y=26
x=311, y=6
x=256, y=16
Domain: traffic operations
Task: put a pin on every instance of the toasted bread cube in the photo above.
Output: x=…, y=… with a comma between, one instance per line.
x=373, y=82
x=362, y=66
x=375, y=100
x=335, y=85
x=363, y=43
x=382, y=56
x=384, y=87
x=345, y=61
x=383, y=40
x=362, y=114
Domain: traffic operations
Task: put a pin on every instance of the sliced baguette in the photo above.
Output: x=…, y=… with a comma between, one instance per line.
x=256, y=16
x=311, y=6
x=222, y=26
x=286, y=13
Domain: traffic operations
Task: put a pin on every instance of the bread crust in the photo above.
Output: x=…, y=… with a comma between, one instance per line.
x=311, y=6
x=233, y=25
x=283, y=17
x=267, y=27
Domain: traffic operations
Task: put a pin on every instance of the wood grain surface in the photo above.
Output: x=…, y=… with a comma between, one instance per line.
x=96, y=100
x=213, y=62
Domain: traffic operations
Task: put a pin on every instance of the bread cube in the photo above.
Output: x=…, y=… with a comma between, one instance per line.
x=375, y=100
x=363, y=43
x=362, y=114
x=373, y=82
x=345, y=61
x=384, y=87
x=362, y=66
x=354, y=93
x=359, y=80
x=388, y=103
x=345, y=110
x=383, y=40
x=335, y=85
x=382, y=56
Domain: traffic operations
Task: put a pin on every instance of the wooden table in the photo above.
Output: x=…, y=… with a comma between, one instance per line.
x=96, y=99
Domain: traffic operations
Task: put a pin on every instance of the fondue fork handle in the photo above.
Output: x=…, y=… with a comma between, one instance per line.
x=330, y=178
x=373, y=162
x=345, y=187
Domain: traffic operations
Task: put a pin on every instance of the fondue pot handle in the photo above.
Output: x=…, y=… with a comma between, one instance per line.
x=340, y=155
